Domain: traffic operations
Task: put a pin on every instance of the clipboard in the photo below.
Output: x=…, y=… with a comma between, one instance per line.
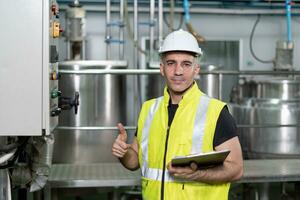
x=203, y=160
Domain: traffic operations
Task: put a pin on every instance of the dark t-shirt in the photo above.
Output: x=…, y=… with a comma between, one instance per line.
x=225, y=129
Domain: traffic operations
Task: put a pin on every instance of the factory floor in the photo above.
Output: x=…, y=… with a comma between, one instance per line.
x=253, y=191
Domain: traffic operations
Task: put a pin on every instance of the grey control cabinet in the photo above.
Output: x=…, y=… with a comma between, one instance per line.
x=25, y=68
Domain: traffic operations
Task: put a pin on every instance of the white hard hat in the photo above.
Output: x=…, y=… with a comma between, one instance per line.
x=180, y=41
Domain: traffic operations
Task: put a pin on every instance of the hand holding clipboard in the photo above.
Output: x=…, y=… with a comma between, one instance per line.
x=203, y=160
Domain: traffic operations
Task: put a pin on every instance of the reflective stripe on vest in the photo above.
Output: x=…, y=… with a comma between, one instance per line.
x=156, y=174
x=199, y=125
x=197, y=138
x=145, y=135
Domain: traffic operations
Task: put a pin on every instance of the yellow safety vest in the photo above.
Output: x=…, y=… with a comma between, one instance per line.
x=192, y=131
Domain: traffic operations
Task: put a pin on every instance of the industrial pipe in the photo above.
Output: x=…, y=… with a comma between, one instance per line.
x=152, y=12
x=197, y=10
x=160, y=22
x=288, y=20
x=108, y=30
x=186, y=7
x=121, y=33
x=5, y=185
x=135, y=32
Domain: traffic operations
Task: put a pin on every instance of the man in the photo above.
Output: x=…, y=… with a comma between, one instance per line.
x=183, y=121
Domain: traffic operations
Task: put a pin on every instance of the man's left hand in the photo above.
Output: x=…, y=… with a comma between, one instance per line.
x=188, y=172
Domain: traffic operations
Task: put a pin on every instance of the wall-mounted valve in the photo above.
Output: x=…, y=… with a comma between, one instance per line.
x=55, y=93
x=67, y=103
x=55, y=112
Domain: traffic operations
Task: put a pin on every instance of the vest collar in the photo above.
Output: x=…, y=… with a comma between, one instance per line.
x=188, y=96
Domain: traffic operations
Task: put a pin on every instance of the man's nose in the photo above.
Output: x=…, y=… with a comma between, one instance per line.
x=178, y=69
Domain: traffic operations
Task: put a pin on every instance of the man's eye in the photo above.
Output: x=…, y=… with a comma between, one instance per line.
x=170, y=63
x=187, y=65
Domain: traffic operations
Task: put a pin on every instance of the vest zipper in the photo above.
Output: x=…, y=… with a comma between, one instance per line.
x=162, y=191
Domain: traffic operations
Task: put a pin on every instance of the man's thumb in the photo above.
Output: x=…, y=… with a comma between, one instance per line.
x=122, y=132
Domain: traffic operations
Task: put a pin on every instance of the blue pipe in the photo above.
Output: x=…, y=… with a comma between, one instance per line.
x=288, y=19
x=186, y=11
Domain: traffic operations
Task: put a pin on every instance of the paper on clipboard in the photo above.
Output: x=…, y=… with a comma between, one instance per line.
x=203, y=160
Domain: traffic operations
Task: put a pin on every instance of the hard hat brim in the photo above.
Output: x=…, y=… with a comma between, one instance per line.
x=195, y=53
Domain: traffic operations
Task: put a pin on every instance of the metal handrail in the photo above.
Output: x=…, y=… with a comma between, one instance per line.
x=100, y=128
x=93, y=128
x=157, y=71
x=267, y=125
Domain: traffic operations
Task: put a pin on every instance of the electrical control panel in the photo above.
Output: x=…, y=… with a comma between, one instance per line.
x=29, y=67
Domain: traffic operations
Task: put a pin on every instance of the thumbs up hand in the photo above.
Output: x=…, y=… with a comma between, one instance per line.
x=120, y=146
x=122, y=133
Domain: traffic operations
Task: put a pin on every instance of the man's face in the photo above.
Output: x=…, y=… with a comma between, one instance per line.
x=179, y=70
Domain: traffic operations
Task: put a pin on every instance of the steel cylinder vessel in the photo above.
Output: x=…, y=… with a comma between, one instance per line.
x=272, y=111
x=102, y=103
x=209, y=83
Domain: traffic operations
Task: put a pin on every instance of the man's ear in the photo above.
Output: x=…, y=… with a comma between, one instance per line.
x=161, y=68
x=197, y=69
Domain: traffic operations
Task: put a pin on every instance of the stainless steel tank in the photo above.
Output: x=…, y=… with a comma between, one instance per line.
x=274, y=102
x=273, y=88
x=209, y=83
x=102, y=102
